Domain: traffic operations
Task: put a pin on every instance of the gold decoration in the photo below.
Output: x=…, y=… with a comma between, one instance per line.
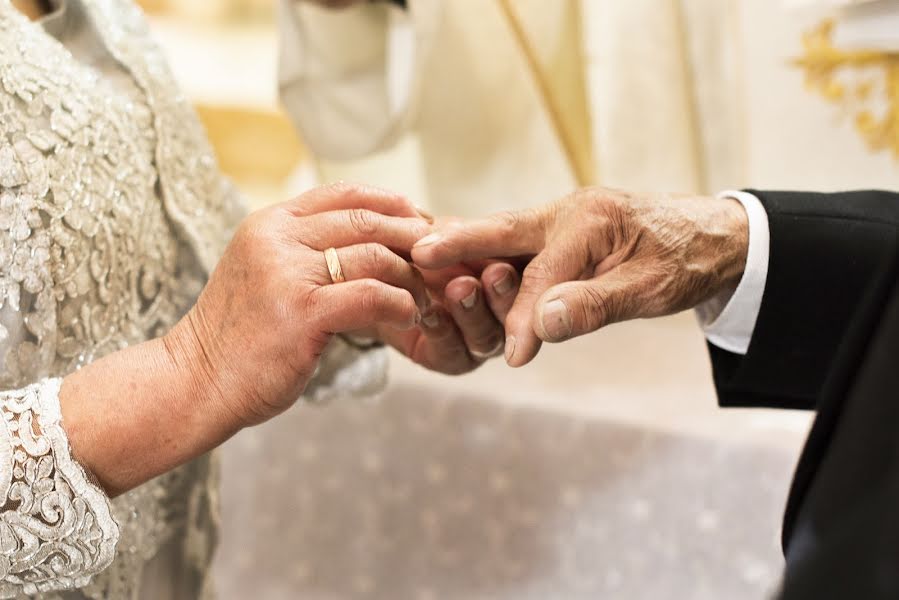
x=864, y=82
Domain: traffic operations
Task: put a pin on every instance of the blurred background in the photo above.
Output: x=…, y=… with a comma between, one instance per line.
x=605, y=468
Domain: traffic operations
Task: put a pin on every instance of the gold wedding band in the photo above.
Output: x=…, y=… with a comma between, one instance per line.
x=334, y=267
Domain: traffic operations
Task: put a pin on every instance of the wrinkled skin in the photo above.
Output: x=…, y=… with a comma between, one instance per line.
x=600, y=256
x=268, y=311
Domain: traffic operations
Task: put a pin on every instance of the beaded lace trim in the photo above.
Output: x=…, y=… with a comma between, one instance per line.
x=56, y=530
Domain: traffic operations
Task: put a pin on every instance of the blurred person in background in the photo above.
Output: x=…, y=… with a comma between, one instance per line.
x=145, y=319
x=476, y=106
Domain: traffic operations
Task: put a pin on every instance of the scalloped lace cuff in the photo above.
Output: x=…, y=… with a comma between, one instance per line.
x=56, y=527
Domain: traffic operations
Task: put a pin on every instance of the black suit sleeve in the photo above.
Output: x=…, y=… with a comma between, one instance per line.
x=844, y=505
x=831, y=263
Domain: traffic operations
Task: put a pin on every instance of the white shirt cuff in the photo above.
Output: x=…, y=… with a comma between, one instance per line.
x=728, y=319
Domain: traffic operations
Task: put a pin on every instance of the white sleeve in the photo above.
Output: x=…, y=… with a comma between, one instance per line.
x=348, y=77
x=56, y=527
x=728, y=319
x=345, y=371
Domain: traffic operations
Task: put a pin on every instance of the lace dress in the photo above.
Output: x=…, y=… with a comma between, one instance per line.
x=112, y=213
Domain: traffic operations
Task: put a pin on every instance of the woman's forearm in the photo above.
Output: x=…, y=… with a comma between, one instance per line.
x=142, y=411
x=246, y=351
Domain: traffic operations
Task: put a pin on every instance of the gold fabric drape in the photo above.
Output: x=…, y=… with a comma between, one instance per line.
x=559, y=74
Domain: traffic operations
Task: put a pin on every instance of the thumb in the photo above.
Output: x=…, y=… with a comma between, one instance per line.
x=561, y=261
x=574, y=308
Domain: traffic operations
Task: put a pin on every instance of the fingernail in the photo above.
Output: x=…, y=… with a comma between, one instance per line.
x=504, y=285
x=469, y=301
x=556, y=320
x=509, y=352
x=431, y=321
x=417, y=317
x=424, y=214
x=427, y=240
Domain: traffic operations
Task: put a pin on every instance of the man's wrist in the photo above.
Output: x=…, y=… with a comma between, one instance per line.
x=735, y=261
x=728, y=319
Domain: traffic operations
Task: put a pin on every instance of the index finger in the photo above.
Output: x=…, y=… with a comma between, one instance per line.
x=358, y=226
x=507, y=234
x=345, y=196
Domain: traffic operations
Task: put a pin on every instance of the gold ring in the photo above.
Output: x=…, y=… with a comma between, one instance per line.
x=334, y=267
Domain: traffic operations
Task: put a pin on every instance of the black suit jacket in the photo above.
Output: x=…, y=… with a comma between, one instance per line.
x=824, y=320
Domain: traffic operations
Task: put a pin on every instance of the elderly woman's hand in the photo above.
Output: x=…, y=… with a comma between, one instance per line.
x=463, y=325
x=249, y=346
x=255, y=335
x=270, y=308
x=601, y=256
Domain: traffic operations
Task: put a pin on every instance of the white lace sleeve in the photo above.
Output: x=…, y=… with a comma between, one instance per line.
x=346, y=371
x=56, y=529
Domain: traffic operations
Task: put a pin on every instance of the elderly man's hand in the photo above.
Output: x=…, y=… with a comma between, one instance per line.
x=600, y=256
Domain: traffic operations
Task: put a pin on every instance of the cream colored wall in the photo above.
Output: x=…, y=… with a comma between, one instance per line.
x=692, y=95
x=794, y=138
x=717, y=84
x=481, y=138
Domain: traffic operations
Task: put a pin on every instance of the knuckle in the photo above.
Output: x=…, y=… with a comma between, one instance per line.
x=376, y=256
x=418, y=229
x=538, y=270
x=363, y=221
x=307, y=300
x=373, y=297
x=599, y=200
x=403, y=204
x=253, y=225
x=303, y=301
x=370, y=289
x=508, y=222
x=594, y=306
x=253, y=234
